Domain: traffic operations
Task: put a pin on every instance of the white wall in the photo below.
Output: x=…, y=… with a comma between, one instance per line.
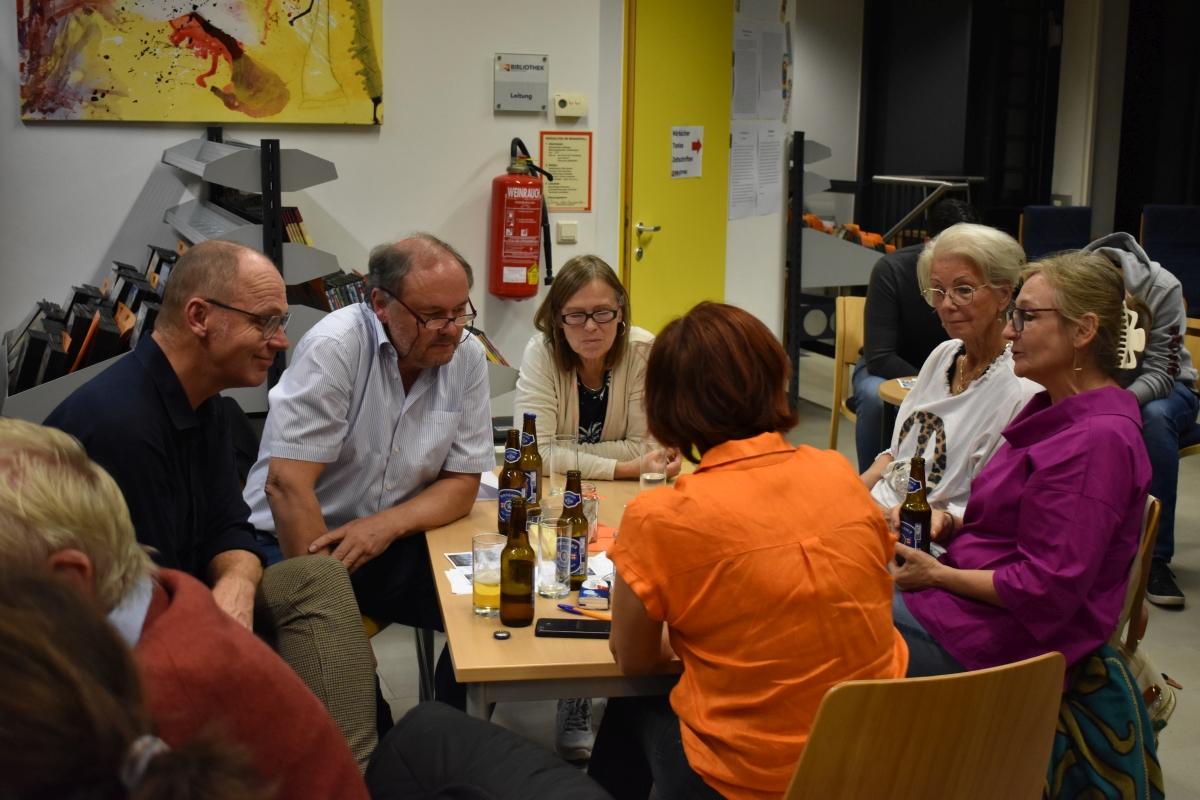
x=827, y=59
x=70, y=187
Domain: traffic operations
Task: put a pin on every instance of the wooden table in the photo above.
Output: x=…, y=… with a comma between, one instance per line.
x=891, y=392
x=526, y=667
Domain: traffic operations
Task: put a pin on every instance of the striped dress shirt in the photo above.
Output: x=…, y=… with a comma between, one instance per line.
x=342, y=403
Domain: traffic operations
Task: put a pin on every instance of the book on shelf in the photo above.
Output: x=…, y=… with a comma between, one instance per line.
x=293, y=226
x=490, y=351
x=55, y=361
x=144, y=323
x=160, y=257
x=29, y=361
x=101, y=340
x=114, y=285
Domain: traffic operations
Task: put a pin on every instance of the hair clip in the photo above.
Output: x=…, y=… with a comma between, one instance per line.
x=1132, y=340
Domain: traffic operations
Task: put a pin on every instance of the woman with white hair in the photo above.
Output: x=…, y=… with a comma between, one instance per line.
x=966, y=391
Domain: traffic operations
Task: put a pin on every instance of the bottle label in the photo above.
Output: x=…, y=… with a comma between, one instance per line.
x=912, y=534
x=506, y=498
x=531, y=485
x=578, y=556
x=526, y=439
x=512, y=455
x=571, y=499
x=914, y=485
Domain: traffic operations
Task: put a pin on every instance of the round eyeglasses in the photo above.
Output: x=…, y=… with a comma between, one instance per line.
x=269, y=324
x=959, y=295
x=601, y=316
x=1018, y=317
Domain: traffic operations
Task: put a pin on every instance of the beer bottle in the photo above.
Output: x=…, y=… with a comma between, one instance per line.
x=915, y=513
x=511, y=482
x=516, y=571
x=573, y=512
x=531, y=465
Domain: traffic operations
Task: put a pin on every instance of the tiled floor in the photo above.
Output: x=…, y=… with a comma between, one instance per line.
x=1173, y=638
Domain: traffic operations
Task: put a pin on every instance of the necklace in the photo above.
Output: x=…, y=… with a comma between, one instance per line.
x=963, y=377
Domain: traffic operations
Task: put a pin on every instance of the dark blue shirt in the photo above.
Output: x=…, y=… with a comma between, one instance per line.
x=174, y=464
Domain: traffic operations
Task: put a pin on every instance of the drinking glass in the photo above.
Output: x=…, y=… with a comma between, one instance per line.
x=564, y=456
x=653, y=467
x=553, y=545
x=485, y=572
x=591, y=507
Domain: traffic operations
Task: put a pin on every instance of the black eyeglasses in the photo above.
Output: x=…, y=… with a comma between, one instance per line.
x=437, y=323
x=269, y=324
x=601, y=316
x=1017, y=317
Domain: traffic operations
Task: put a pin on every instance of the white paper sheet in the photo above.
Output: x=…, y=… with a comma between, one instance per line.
x=770, y=169
x=745, y=68
x=743, y=170
x=772, y=43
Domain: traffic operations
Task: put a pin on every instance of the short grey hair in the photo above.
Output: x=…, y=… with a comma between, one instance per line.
x=389, y=263
x=997, y=255
x=207, y=269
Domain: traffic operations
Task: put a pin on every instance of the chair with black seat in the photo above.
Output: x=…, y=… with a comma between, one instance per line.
x=1051, y=229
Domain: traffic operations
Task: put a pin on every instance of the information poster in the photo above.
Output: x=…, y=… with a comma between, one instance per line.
x=567, y=155
x=687, y=151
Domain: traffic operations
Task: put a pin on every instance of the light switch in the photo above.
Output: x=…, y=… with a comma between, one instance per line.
x=567, y=231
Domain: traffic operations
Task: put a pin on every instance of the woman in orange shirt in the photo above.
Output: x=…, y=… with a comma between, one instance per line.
x=766, y=569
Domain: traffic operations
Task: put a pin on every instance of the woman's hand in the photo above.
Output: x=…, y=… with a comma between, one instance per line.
x=919, y=570
x=942, y=524
x=875, y=471
x=661, y=460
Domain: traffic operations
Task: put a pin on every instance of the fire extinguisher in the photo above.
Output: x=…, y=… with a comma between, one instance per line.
x=520, y=224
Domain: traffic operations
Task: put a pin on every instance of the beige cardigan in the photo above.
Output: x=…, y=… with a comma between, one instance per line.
x=554, y=396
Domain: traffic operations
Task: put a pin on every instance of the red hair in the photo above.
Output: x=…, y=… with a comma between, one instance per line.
x=716, y=374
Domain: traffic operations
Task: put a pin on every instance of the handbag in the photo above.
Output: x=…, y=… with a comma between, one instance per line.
x=1158, y=690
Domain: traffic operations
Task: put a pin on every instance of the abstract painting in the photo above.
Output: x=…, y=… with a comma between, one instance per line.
x=272, y=61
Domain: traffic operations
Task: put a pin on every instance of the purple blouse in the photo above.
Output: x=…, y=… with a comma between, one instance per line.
x=1057, y=513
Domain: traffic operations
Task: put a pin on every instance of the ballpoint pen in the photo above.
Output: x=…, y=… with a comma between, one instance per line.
x=586, y=612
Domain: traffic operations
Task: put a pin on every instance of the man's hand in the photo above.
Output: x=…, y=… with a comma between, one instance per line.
x=234, y=594
x=357, y=542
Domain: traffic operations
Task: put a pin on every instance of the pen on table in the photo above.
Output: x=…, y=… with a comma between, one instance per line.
x=586, y=612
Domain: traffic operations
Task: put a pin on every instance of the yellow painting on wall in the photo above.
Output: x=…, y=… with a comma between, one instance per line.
x=271, y=61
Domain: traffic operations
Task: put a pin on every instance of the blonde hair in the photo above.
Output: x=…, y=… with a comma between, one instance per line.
x=1088, y=283
x=997, y=255
x=53, y=497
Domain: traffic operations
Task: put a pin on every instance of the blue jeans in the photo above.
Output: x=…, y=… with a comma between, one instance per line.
x=270, y=547
x=1164, y=423
x=870, y=438
x=925, y=656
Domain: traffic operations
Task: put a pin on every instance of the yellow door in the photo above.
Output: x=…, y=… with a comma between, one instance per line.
x=678, y=75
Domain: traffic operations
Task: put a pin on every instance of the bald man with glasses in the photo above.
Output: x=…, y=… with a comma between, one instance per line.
x=379, y=430
x=155, y=422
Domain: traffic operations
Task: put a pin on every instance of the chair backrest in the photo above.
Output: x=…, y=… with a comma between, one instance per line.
x=1171, y=236
x=1051, y=229
x=983, y=734
x=1139, y=571
x=849, y=323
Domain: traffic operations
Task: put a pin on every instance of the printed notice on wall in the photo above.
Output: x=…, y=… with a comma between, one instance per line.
x=567, y=155
x=687, y=151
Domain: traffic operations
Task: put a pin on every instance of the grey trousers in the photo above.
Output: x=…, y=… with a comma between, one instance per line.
x=320, y=635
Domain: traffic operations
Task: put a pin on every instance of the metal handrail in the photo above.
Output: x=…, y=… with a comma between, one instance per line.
x=939, y=186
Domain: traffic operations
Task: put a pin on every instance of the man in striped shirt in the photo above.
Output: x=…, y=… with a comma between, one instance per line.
x=379, y=430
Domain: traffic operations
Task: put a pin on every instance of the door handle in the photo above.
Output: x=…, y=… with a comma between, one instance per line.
x=640, y=228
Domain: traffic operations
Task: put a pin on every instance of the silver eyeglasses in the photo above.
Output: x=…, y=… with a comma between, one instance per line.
x=269, y=324
x=439, y=323
x=601, y=316
x=959, y=295
x=1017, y=317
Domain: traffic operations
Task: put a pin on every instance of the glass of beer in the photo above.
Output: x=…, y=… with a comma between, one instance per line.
x=553, y=545
x=485, y=572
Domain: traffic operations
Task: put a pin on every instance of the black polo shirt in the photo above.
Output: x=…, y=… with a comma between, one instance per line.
x=175, y=465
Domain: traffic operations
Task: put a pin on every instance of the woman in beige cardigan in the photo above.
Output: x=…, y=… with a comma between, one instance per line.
x=582, y=373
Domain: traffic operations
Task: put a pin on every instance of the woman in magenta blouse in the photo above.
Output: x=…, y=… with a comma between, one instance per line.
x=1041, y=557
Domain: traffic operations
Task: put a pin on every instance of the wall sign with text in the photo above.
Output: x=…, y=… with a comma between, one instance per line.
x=567, y=155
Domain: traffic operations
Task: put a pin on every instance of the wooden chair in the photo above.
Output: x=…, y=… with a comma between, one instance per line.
x=1129, y=628
x=983, y=734
x=849, y=324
